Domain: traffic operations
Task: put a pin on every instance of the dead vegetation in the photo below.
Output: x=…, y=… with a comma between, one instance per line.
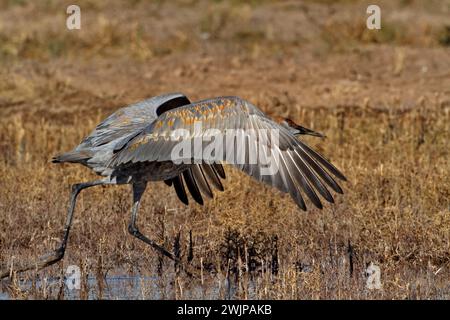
x=382, y=99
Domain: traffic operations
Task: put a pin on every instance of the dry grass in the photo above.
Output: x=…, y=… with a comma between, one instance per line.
x=383, y=100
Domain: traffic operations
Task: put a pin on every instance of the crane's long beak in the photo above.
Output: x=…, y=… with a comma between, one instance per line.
x=302, y=130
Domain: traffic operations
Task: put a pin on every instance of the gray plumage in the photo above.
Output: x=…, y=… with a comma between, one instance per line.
x=136, y=143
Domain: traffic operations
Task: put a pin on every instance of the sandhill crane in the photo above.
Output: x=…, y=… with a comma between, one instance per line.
x=132, y=146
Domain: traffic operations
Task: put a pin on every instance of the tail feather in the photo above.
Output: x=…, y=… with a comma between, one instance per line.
x=74, y=156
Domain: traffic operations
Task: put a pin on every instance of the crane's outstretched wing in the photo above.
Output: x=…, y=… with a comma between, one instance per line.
x=298, y=168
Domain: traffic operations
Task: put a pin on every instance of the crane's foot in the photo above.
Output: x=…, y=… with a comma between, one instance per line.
x=42, y=262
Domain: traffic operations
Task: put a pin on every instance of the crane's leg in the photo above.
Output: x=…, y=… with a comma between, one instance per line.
x=58, y=254
x=138, y=190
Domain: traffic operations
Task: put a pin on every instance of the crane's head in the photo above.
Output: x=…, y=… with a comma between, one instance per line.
x=297, y=129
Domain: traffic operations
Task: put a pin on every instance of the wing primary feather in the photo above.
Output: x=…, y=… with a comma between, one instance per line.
x=320, y=171
x=253, y=150
x=219, y=169
x=168, y=182
x=202, y=183
x=289, y=183
x=179, y=188
x=323, y=161
x=247, y=149
x=299, y=177
x=261, y=152
x=301, y=173
x=269, y=147
x=301, y=166
x=212, y=176
x=192, y=186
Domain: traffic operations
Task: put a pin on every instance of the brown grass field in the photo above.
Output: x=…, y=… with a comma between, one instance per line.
x=382, y=97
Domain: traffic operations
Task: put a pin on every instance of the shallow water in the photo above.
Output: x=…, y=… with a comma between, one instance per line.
x=120, y=287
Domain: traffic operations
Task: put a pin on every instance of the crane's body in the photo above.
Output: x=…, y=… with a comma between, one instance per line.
x=132, y=146
x=97, y=149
